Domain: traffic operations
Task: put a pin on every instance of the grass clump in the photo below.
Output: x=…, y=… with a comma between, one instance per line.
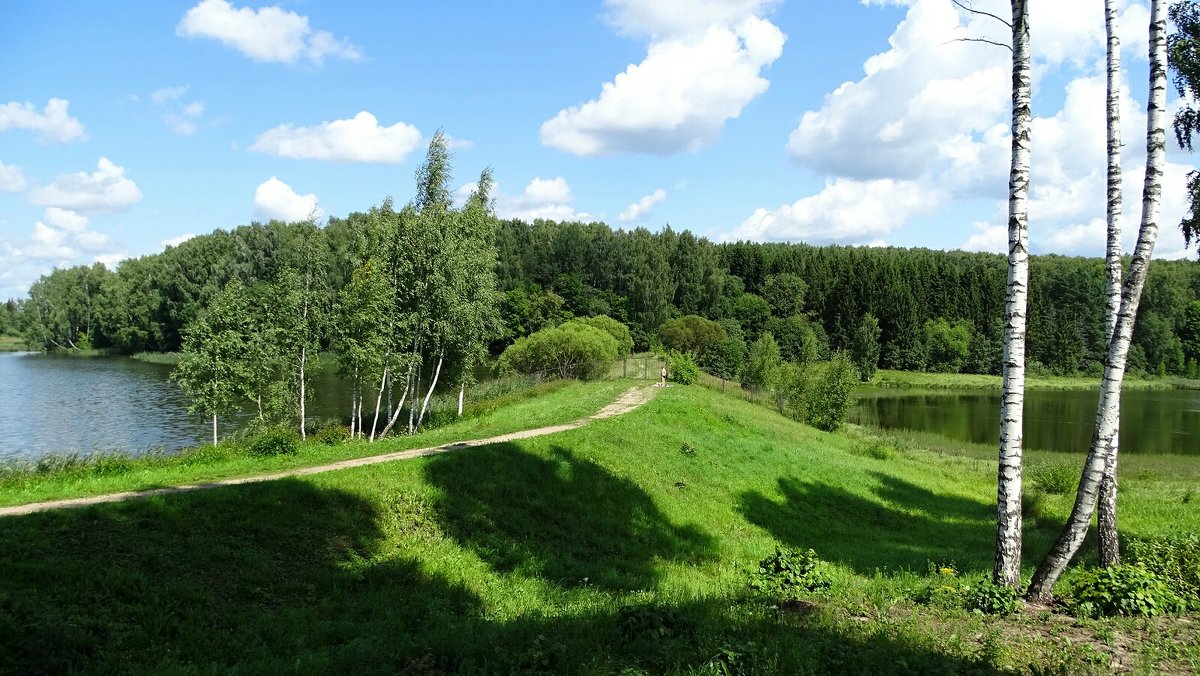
x=1175, y=559
x=332, y=435
x=1054, y=477
x=273, y=441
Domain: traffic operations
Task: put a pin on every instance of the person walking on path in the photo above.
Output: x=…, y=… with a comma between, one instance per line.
x=663, y=374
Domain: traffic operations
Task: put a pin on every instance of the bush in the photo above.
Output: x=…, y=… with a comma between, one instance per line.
x=990, y=598
x=829, y=392
x=273, y=441
x=614, y=328
x=1126, y=589
x=571, y=350
x=332, y=435
x=789, y=574
x=1175, y=559
x=692, y=333
x=682, y=368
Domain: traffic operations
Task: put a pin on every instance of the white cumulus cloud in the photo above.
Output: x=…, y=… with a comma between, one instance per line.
x=274, y=199
x=702, y=67
x=106, y=189
x=359, y=139
x=176, y=241
x=267, y=34
x=52, y=124
x=546, y=198
x=643, y=207
x=845, y=210
x=12, y=179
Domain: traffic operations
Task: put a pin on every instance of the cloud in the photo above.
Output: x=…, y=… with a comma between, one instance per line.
x=176, y=241
x=845, y=210
x=545, y=198
x=181, y=116
x=12, y=179
x=60, y=239
x=359, y=139
x=106, y=189
x=274, y=199
x=987, y=237
x=643, y=207
x=53, y=125
x=66, y=219
x=270, y=34
x=702, y=67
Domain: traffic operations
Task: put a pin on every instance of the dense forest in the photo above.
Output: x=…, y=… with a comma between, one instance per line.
x=936, y=310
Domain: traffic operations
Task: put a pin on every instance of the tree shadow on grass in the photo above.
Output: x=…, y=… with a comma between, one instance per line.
x=907, y=527
x=287, y=577
x=561, y=518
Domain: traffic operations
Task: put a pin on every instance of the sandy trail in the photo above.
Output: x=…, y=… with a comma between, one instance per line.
x=628, y=401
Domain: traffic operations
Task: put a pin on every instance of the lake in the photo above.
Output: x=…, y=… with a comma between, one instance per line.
x=1152, y=421
x=59, y=405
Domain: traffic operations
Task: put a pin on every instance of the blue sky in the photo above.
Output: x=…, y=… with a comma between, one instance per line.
x=125, y=126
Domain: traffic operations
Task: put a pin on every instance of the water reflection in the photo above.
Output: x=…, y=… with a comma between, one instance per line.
x=1166, y=421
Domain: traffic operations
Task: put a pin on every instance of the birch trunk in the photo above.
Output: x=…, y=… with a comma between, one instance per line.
x=214, y=429
x=399, y=407
x=303, y=357
x=1007, y=568
x=383, y=383
x=462, y=390
x=1072, y=535
x=1110, y=552
x=432, y=384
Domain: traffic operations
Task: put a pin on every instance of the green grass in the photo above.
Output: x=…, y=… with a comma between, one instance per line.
x=621, y=547
x=168, y=358
x=60, y=477
x=973, y=381
x=12, y=344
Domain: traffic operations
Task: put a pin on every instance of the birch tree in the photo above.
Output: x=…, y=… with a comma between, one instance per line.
x=1007, y=568
x=1072, y=535
x=213, y=367
x=1110, y=552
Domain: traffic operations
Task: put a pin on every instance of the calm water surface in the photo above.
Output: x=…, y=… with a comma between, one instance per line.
x=1166, y=421
x=79, y=405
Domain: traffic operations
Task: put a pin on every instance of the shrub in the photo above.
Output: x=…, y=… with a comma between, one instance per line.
x=1054, y=478
x=990, y=598
x=829, y=393
x=682, y=368
x=1175, y=559
x=616, y=329
x=332, y=435
x=789, y=574
x=273, y=441
x=569, y=350
x=692, y=333
x=1126, y=589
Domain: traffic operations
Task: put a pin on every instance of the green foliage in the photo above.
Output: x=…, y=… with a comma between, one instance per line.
x=797, y=340
x=1183, y=55
x=752, y=313
x=571, y=350
x=829, y=393
x=785, y=294
x=1053, y=478
x=1125, y=589
x=693, y=334
x=616, y=329
x=864, y=350
x=762, y=362
x=1175, y=559
x=789, y=575
x=725, y=358
x=682, y=368
x=989, y=598
x=947, y=344
x=273, y=441
x=332, y=435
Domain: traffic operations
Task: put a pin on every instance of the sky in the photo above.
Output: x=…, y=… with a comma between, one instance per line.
x=127, y=127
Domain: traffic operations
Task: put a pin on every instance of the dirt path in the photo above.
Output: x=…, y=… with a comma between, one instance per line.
x=631, y=399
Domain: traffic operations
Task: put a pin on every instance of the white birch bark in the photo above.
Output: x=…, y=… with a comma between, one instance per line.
x=1110, y=553
x=1071, y=537
x=399, y=407
x=214, y=429
x=462, y=390
x=383, y=383
x=303, y=357
x=1007, y=568
x=432, y=384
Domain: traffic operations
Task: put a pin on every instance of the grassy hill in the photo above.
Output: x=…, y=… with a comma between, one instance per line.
x=621, y=547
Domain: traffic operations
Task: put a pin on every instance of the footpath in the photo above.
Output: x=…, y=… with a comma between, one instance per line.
x=631, y=399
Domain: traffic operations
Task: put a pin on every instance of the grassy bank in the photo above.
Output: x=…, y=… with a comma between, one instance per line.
x=972, y=381
x=168, y=358
x=59, y=477
x=12, y=344
x=621, y=547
